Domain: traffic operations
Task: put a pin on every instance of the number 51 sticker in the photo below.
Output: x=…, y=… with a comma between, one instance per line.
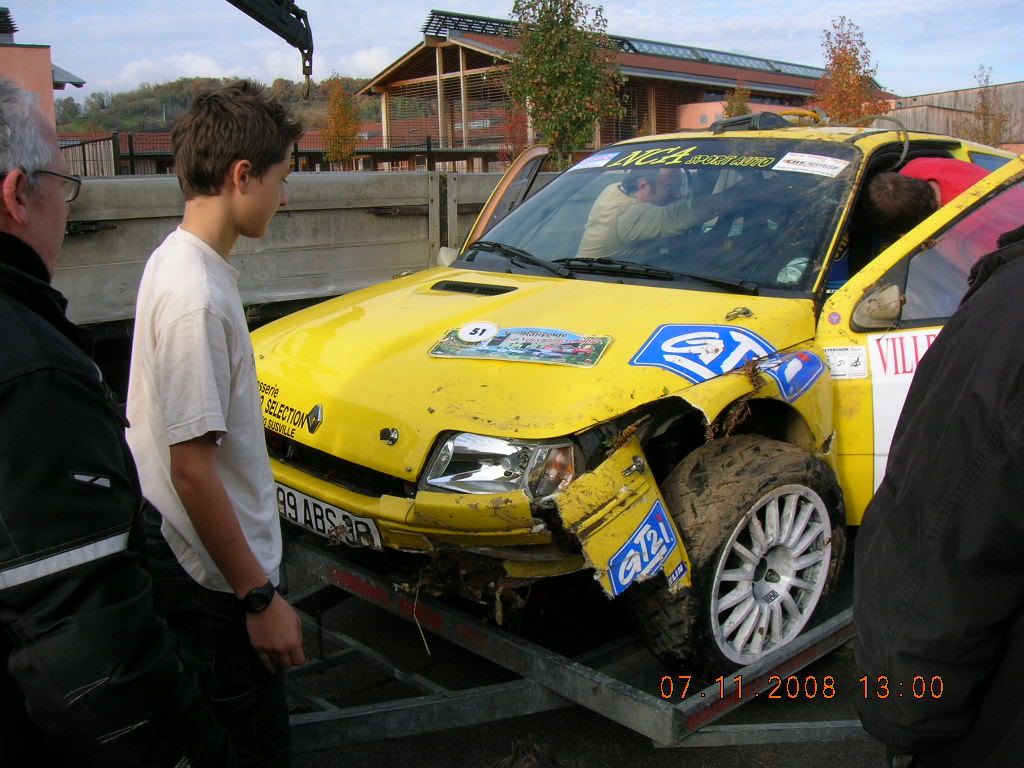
x=480, y=331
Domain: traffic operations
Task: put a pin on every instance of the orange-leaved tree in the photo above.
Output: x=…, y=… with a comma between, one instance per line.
x=847, y=90
x=738, y=101
x=341, y=125
x=514, y=139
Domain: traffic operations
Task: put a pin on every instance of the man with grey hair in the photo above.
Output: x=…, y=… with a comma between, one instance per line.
x=88, y=672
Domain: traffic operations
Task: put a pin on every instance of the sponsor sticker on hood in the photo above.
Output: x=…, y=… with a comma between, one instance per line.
x=485, y=341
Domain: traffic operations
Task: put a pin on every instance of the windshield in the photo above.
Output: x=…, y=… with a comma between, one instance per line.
x=706, y=213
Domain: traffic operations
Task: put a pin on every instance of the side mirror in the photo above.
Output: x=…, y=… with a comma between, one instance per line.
x=445, y=256
x=880, y=308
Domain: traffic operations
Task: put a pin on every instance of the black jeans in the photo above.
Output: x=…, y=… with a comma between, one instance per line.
x=210, y=629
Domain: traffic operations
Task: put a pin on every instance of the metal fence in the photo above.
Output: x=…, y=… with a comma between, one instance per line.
x=118, y=154
x=138, y=153
x=91, y=157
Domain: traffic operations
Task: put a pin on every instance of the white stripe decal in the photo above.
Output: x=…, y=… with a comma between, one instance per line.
x=103, y=482
x=23, y=574
x=100, y=480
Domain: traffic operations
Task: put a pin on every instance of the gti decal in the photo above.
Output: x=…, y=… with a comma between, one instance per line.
x=794, y=372
x=701, y=352
x=645, y=551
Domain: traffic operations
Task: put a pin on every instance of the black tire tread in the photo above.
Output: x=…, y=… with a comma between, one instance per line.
x=706, y=493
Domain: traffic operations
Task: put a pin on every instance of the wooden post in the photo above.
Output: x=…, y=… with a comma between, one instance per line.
x=385, y=123
x=652, y=110
x=462, y=93
x=439, y=59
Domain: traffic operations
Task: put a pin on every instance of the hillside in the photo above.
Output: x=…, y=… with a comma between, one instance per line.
x=155, y=107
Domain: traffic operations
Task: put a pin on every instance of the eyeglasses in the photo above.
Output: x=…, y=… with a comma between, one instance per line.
x=70, y=185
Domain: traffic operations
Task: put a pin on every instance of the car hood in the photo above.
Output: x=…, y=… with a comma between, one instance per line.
x=365, y=359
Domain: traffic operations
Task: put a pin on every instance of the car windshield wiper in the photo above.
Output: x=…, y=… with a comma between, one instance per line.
x=518, y=254
x=613, y=266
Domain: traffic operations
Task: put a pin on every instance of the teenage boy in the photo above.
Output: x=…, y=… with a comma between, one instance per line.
x=196, y=430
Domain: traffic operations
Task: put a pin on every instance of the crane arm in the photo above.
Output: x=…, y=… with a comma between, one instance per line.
x=286, y=20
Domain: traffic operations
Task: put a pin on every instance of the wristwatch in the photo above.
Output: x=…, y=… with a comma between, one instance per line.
x=259, y=598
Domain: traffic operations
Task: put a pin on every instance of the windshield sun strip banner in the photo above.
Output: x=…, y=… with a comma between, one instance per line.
x=680, y=155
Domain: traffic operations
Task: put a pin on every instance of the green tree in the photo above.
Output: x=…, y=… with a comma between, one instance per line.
x=988, y=122
x=847, y=91
x=97, y=102
x=67, y=110
x=281, y=89
x=565, y=74
x=341, y=124
x=738, y=101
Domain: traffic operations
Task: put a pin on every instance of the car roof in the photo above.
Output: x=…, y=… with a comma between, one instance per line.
x=866, y=138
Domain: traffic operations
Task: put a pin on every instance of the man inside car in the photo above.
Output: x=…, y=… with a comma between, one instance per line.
x=647, y=204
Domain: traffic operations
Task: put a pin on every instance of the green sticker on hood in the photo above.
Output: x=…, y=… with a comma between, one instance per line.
x=485, y=341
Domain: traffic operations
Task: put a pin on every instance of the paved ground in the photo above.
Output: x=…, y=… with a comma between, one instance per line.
x=573, y=735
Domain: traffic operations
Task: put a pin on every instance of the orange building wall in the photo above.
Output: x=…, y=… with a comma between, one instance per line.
x=700, y=115
x=28, y=67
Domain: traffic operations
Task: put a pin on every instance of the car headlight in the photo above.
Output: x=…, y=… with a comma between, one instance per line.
x=468, y=463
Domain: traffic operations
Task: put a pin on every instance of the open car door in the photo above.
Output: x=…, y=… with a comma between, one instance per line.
x=876, y=327
x=514, y=187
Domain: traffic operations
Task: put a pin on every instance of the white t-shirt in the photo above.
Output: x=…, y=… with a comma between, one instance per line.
x=193, y=372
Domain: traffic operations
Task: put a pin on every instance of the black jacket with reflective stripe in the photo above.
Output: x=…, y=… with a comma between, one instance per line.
x=939, y=579
x=88, y=668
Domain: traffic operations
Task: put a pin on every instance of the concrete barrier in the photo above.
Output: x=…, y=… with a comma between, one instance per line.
x=338, y=233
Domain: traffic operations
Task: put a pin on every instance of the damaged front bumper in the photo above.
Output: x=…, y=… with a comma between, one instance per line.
x=611, y=519
x=622, y=523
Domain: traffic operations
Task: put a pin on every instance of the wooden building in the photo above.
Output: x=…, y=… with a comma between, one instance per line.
x=448, y=91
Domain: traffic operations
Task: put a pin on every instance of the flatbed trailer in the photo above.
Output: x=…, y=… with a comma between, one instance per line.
x=618, y=680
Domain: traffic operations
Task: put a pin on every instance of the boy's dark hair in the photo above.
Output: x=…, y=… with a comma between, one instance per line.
x=896, y=204
x=236, y=122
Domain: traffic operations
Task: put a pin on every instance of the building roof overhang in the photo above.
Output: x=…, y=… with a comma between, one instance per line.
x=715, y=82
x=430, y=42
x=61, y=78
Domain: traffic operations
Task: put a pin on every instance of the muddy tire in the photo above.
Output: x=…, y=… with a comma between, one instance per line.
x=765, y=528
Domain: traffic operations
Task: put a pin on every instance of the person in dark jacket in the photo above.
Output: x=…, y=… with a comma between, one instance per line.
x=88, y=672
x=939, y=577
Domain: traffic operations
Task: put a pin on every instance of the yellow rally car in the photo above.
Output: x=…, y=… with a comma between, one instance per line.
x=695, y=413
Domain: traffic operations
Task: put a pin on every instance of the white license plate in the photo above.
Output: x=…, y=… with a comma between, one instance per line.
x=326, y=520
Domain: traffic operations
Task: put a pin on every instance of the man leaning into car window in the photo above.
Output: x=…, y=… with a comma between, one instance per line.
x=645, y=205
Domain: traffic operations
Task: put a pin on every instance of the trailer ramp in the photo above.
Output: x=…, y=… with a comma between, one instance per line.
x=618, y=680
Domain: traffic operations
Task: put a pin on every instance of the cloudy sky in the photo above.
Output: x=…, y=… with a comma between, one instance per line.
x=918, y=46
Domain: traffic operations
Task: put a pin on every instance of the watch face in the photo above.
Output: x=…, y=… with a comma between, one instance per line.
x=258, y=599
